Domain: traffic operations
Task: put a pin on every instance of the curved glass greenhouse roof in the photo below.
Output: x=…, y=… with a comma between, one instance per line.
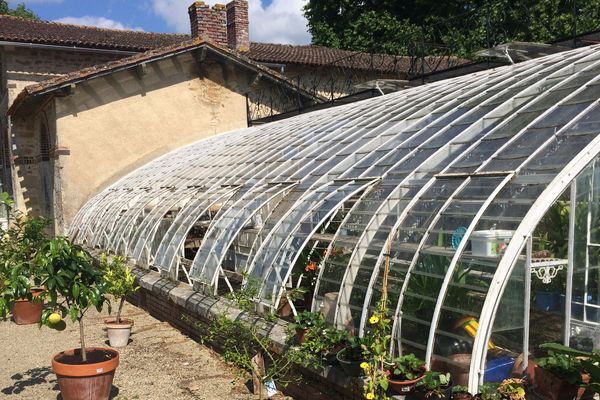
x=444, y=182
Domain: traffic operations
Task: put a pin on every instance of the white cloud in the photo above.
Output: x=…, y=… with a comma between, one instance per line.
x=99, y=22
x=279, y=22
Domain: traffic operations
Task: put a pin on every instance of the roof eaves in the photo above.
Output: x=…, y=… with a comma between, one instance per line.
x=46, y=87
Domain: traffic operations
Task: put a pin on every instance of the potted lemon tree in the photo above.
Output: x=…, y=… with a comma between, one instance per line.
x=119, y=283
x=72, y=286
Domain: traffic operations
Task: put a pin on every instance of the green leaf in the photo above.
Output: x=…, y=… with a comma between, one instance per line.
x=73, y=313
x=383, y=382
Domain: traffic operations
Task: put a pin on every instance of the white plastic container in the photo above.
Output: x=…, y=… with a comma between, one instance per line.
x=490, y=243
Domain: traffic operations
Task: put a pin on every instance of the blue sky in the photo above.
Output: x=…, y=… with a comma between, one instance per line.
x=274, y=21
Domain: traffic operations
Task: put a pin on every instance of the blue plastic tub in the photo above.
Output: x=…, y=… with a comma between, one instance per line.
x=498, y=369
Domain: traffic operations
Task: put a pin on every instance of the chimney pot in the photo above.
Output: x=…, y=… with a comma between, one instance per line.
x=207, y=23
x=238, y=36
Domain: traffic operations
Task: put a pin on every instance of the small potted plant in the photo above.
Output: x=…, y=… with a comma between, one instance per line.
x=18, y=245
x=305, y=321
x=512, y=389
x=335, y=341
x=120, y=283
x=433, y=386
x=488, y=391
x=406, y=371
x=558, y=375
x=460, y=392
x=73, y=285
x=351, y=358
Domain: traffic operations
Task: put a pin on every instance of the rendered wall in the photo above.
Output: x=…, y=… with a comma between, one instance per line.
x=112, y=125
x=20, y=67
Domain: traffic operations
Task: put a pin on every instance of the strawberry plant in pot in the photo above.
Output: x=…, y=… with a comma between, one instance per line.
x=434, y=386
x=120, y=283
x=305, y=321
x=20, y=240
x=73, y=286
x=406, y=371
x=558, y=375
x=319, y=347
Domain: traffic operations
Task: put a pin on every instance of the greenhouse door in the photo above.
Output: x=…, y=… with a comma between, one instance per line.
x=583, y=328
x=546, y=282
x=547, y=277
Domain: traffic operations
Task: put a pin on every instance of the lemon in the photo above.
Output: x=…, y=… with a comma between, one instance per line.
x=54, y=318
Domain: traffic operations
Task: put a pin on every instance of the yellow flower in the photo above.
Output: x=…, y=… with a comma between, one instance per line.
x=374, y=319
x=370, y=396
x=364, y=365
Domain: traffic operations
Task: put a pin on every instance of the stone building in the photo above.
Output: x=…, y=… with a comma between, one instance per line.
x=75, y=134
x=87, y=105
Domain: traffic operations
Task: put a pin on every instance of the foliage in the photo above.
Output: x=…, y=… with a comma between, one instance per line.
x=408, y=367
x=489, y=391
x=245, y=297
x=562, y=362
x=72, y=283
x=375, y=350
x=569, y=364
x=241, y=340
x=306, y=267
x=512, y=389
x=319, y=343
x=308, y=320
x=460, y=389
x=353, y=349
x=19, y=243
x=465, y=26
x=552, y=233
x=376, y=343
x=19, y=11
x=434, y=384
x=118, y=280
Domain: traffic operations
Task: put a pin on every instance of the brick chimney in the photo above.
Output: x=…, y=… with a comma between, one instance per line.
x=237, y=25
x=209, y=23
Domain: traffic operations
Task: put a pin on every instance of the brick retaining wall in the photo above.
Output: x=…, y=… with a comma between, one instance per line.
x=183, y=308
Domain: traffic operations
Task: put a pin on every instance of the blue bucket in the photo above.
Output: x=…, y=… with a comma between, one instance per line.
x=498, y=369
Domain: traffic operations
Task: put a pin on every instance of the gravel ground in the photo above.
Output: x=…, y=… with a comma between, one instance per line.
x=159, y=362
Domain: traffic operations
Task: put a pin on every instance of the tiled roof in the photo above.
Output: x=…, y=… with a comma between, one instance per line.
x=321, y=55
x=150, y=55
x=43, y=32
x=327, y=56
x=16, y=29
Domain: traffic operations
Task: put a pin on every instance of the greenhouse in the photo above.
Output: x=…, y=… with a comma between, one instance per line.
x=479, y=194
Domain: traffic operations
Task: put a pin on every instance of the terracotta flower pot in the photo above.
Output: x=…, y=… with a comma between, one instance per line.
x=26, y=312
x=404, y=387
x=118, y=333
x=300, y=332
x=90, y=381
x=550, y=387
